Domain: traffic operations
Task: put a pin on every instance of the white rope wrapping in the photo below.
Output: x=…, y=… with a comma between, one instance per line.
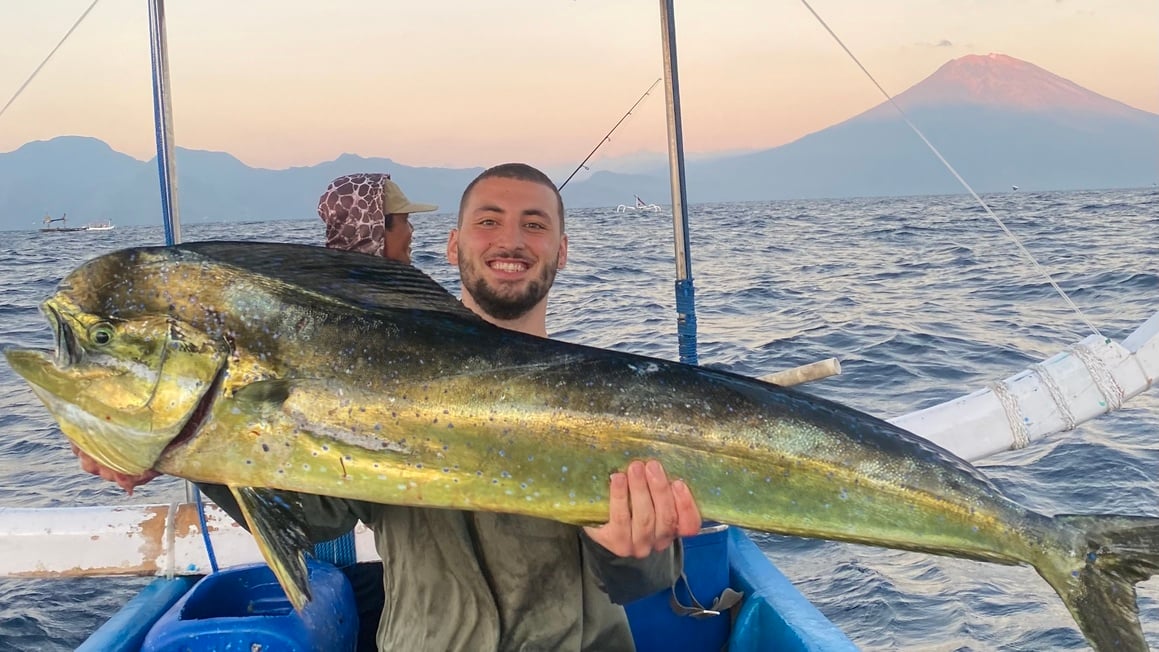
x=1019, y=437
x=1055, y=394
x=1112, y=392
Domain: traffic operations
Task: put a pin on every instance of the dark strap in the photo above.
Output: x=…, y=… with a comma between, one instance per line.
x=720, y=604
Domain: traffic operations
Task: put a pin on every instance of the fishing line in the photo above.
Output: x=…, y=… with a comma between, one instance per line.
x=608, y=137
x=34, y=72
x=1018, y=243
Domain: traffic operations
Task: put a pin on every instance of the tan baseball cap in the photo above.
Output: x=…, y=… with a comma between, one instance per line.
x=395, y=201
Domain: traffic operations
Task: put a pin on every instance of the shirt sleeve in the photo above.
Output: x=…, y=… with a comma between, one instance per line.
x=326, y=517
x=626, y=579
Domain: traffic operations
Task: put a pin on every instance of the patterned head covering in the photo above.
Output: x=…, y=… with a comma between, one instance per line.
x=354, y=209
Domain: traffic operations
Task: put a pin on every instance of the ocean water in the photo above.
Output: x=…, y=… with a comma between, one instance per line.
x=922, y=299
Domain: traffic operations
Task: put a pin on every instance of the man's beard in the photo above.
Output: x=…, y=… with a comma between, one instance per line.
x=506, y=306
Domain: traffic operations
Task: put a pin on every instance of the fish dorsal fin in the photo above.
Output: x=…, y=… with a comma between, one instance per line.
x=277, y=521
x=361, y=280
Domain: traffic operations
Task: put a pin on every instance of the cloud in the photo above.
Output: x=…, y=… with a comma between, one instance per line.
x=944, y=43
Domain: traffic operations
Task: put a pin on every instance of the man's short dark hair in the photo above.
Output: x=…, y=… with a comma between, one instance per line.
x=519, y=172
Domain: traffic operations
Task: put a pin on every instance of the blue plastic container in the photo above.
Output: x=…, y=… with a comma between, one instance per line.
x=244, y=609
x=656, y=628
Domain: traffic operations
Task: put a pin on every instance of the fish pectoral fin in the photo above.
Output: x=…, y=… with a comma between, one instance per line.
x=277, y=523
x=274, y=392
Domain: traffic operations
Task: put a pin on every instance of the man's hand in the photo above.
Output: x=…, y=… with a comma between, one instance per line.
x=126, y=482
x=647, y=512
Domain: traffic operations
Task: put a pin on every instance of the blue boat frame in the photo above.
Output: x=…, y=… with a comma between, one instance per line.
x=773, y=615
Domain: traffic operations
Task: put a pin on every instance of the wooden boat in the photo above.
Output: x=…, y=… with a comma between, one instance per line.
x=103, y=225
x=63, y=228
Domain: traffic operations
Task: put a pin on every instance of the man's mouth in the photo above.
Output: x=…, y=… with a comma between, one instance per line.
x=509, y=266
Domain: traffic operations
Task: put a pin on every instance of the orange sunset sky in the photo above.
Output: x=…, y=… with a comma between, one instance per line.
x=458, y=83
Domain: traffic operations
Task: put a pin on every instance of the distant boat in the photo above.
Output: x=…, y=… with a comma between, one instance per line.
x=1014, y=187
x=63, y=219
x=641, y=205
x=103, y=225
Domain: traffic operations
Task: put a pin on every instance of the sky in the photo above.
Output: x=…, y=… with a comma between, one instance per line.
x=473, y=83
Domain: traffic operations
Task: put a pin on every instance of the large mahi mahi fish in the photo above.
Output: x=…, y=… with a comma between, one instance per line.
x=273, y=366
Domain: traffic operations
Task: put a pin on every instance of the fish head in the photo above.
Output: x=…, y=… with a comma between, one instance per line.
x=123, y=388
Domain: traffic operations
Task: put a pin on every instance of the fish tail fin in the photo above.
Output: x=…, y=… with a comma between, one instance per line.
x=1097, y=573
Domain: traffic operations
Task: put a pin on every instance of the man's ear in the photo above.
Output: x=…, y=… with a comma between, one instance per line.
x=562, y=253
x=453, y=247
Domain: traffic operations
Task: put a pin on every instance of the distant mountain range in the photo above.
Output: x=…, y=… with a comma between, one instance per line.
x=1000, y=122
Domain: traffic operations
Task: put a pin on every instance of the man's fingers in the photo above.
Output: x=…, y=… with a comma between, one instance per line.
x=688, y=514
x=643, y=513
x=664, y=504
x=619, y=510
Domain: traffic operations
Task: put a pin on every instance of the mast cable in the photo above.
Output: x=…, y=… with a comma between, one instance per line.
x=34, y=72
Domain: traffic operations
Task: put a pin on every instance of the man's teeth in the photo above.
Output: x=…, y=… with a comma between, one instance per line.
x=508, y=266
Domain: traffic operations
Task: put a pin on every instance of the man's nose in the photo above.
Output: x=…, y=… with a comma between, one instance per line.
x=509, y=236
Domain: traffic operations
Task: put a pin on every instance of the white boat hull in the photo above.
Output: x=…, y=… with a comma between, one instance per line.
x=1089, y=379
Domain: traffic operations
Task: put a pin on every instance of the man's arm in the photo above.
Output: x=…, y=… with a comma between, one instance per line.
x=626, y=579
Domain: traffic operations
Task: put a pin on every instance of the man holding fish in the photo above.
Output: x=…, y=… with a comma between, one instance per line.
x=465, y=580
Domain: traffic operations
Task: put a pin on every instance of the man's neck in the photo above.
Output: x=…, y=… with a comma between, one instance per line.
x=534, y=322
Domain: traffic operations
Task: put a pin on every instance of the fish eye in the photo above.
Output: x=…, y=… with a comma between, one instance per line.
x=101, y=334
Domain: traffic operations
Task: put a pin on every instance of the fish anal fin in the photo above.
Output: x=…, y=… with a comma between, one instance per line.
x=276, y=521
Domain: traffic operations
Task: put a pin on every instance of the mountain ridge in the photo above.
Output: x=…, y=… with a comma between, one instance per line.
x=999, y=120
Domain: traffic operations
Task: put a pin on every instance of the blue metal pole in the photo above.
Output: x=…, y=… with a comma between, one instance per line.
x=685, y=292
x=163, y=121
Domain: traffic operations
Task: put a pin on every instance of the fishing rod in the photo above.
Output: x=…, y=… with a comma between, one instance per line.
x=609, y=134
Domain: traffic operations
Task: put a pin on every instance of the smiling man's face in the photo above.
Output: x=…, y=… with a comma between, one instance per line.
x=508, y=247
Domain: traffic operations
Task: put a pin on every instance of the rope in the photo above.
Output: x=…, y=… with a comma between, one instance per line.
x=1056, y=395
x=969, y=189
x=1019, y=437
x=34, y=72
x=1112, y=392
x=339, y=551
x=204, y=530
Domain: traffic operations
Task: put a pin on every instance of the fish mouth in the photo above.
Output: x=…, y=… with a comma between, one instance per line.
x=68, y=348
